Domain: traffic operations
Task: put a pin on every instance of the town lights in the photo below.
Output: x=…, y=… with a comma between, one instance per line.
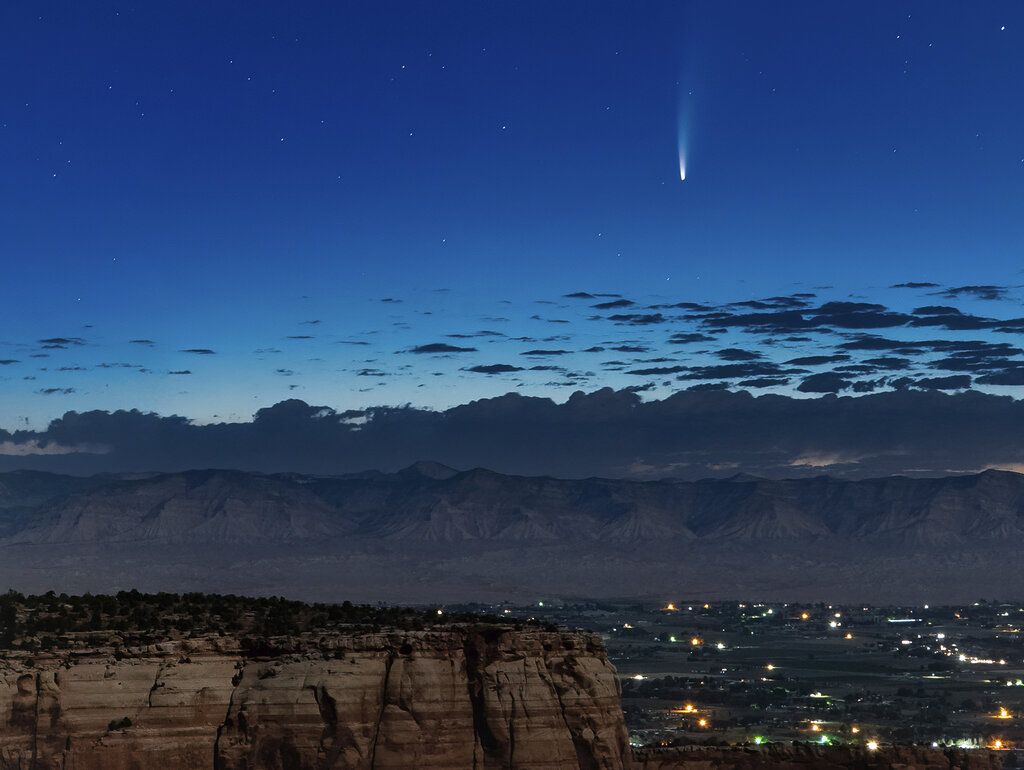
x=702, y=722
x=696, y=641
x=872, y=745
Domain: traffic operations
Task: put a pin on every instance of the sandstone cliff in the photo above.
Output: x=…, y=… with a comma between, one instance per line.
x=485, y=697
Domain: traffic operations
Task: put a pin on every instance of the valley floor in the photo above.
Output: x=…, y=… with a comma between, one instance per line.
x=404, y=572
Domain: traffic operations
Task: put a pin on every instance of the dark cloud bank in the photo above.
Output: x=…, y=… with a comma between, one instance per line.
x=692, y=434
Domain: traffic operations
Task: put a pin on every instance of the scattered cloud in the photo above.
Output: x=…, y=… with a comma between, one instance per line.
x=440, y=347
x=494, y=369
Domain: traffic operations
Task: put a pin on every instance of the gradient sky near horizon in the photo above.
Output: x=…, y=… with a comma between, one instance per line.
x=311, y=192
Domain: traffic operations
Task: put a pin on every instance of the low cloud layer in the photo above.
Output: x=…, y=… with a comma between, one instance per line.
x=691, y=434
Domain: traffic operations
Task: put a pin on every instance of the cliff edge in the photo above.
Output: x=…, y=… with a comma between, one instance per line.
x=484, y=697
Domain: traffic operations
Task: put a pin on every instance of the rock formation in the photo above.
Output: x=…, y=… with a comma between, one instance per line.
x=485, y=697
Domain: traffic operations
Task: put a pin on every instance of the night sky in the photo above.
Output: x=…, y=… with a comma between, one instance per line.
x=206, y=209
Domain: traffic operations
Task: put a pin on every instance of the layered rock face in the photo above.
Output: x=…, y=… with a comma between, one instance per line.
x=487, y=697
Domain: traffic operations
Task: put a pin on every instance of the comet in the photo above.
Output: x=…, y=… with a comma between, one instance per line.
x=682, y=133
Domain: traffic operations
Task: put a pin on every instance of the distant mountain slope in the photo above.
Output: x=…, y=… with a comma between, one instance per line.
x=205, y=506
x=432, y=503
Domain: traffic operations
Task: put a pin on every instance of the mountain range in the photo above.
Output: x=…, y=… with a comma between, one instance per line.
x=477, y=533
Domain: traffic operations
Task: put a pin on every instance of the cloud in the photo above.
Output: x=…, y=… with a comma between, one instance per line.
x=36, y=447
x=817, y=360
x=199, y=351
x=440, y=347
x=630, y=348
x=605, y=433
x=638, y=319
x=1011, y=377
x=658, y=370
x=978, y=291
x=826, y=382
x=615, y=303
x=738, y=371
x=775, y=303
x=59, y=343
x=685, y=338
x=481, y=333
x=914, y=285
x=494, y=369
x=953, y=382
x=764, y=382
x=737, y=354
x=541, y=352
x=147, y=343
x=888, y=362
x=776, y=316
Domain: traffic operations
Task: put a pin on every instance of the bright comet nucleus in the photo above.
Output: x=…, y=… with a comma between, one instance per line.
x=682, y=166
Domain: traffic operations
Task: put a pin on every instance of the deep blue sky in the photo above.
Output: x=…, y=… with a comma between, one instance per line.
x=212, y=175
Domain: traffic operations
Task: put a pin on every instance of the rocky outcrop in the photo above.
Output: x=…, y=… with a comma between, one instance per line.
x=480, y=697
x=809, y=757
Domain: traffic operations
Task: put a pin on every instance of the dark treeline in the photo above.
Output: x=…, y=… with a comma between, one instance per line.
x=36, y=622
